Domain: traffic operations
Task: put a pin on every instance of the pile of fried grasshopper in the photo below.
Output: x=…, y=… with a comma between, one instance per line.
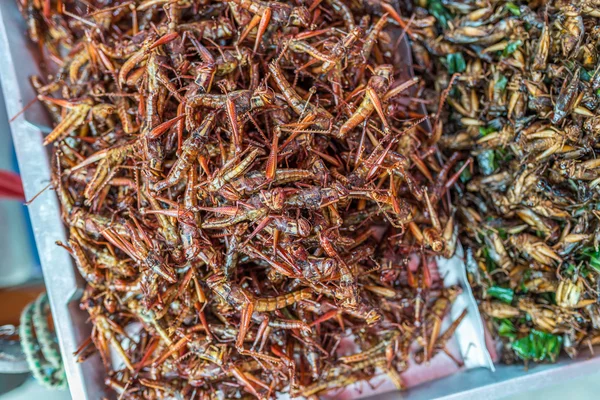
x=251, y=190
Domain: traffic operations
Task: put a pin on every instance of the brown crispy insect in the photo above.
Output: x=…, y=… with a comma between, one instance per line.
x=243, y=204
x=524, y=120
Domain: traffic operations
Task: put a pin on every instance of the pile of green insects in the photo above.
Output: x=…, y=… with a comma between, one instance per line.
x=243, y=182
x=525, y=106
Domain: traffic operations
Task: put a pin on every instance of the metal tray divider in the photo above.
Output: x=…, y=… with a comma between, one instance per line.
x=470, y=333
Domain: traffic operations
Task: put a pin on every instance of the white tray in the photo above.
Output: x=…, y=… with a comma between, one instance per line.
x=86, y=381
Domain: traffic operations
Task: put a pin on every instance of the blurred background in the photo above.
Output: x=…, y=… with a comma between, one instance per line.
x=20, y=272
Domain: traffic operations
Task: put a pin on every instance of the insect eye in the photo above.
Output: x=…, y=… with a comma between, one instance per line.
x=255, y=102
